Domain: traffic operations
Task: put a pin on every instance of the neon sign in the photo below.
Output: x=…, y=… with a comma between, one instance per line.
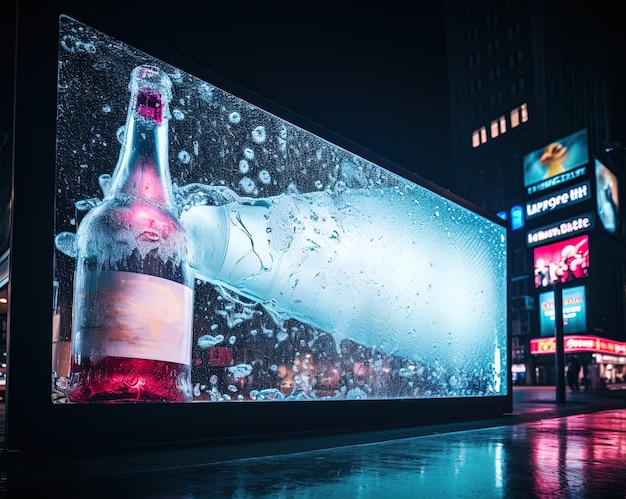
x=561, y=199
x=559, y=229
x=573, y=344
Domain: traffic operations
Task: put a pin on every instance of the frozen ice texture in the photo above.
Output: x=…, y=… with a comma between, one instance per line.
x=399, y=270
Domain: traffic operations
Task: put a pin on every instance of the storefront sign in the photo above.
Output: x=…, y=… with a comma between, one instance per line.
x=573, y=344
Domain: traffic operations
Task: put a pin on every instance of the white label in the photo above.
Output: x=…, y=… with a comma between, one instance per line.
x=135, y=316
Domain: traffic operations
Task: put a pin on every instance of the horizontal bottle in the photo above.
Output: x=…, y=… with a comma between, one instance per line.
x=398, y=270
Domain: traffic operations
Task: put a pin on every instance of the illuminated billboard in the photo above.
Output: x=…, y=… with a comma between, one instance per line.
x=568, y=227
x=210, y=251
x=574, y=311
x=558, y=200
x=562, y=261
x=557, y=162
x=607, y=197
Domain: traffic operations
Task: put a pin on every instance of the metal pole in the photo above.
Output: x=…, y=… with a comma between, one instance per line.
x=560, y=349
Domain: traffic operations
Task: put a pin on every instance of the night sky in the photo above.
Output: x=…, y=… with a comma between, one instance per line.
x=364, y=72
x=373, y=73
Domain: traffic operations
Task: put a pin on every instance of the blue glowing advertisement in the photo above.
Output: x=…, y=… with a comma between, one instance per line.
x=208, y=251
x=574, y=311
x=607, y=197
x=556, y=162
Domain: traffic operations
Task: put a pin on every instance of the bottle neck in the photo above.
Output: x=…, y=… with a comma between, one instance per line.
x=143, y=171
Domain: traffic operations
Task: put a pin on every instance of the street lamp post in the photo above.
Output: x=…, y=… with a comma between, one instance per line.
x=560, y=347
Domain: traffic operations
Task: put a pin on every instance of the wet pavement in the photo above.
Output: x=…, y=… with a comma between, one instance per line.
x=575, y=449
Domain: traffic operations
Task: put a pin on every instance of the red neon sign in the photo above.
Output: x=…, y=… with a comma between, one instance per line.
x=573, y=343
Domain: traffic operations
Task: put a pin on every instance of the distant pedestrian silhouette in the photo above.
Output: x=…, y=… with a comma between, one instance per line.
x=573, y=374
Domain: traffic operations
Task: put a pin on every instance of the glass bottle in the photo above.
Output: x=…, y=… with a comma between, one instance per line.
x=398, y=270
x=133, y=290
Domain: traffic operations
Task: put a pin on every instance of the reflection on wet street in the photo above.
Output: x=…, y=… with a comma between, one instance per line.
x=575, y=456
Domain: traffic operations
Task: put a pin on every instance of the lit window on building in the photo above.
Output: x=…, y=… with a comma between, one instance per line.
x=483, y=135
x=502, y=124
x=514, y=118
x=475, y=139
x=494, y=129
x=524, y=111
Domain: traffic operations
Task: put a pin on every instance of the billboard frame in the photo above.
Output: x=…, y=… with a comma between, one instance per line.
x=32, y=421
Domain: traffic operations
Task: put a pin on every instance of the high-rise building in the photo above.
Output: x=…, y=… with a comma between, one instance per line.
x=529, y=95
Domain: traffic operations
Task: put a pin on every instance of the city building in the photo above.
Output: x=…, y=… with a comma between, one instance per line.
x=529, y=95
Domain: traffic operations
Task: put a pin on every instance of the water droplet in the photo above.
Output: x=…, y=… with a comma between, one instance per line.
x=208, y=341
x=240, y=370
x=248, y=153
x=206, y=92
x=247, y=185
x=120, y=134
x=258, y=135
x=184, y=157
x=244, y=166
x=265, y=177
x=66, y=243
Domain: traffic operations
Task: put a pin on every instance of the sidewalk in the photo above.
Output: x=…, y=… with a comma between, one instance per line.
x=502, y=457
x=531, y=402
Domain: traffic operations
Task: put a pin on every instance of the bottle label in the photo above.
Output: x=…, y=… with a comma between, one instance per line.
x=131, y=315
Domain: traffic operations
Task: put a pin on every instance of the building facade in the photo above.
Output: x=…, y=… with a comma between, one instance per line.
x=531, y=134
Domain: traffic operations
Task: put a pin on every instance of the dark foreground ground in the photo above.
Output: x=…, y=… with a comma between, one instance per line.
x=574, y=449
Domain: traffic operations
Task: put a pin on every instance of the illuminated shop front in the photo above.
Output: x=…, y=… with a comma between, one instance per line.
x=603, y=360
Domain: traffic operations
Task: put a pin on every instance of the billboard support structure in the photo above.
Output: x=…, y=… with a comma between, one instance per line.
x=560, y=349
x=253, y=158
